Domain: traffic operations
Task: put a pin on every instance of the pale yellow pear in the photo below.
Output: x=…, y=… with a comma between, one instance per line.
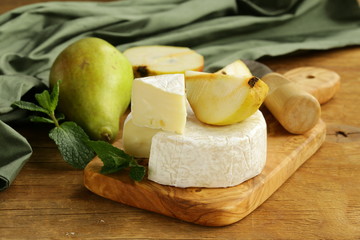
x=219, y=99
x=158, y=59
x=237, y=68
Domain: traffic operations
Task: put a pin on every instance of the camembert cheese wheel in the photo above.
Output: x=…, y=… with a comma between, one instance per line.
x=209, y=156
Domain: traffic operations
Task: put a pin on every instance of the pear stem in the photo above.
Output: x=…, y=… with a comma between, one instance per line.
x=106, y=137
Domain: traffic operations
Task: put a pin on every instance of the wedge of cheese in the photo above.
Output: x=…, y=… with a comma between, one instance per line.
x=159, y=102
x=136, y=139
x=209, y=156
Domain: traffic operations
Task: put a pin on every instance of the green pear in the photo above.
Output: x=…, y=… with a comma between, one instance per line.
x=95, y=86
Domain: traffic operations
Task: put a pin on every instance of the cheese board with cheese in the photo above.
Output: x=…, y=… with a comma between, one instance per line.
x=212, y=206
x=210, y=164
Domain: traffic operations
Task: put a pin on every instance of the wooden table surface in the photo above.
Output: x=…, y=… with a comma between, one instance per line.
x=320, y=201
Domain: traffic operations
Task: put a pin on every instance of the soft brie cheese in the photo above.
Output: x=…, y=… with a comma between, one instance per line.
x=159, y=102
x=209, y=156
x=136, y=139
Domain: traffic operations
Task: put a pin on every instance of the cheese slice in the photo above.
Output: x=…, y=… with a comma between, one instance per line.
x=209, y=156
x=136, y=139
x=159, y=102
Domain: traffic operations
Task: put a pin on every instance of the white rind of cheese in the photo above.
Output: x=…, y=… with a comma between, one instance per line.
x=136, y=139
x=209, y=156
x=159, y=102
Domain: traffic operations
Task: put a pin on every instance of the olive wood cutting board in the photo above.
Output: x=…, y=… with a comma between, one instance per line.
x=213, y=206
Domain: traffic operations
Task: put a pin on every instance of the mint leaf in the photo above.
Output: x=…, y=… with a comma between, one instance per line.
x=74, y=144
x=115, y=159
x=137, y=173
x=112, y=157
x=44, y=100
x=30, y=106
x=70, y=139
x=47, y=101
x=41, y=119
x=54, y=97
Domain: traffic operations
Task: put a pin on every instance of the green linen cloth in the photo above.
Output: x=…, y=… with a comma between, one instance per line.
x=12, y=158
x=221, y=30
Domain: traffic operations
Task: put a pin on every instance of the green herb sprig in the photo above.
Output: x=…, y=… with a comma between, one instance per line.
x=73, y=143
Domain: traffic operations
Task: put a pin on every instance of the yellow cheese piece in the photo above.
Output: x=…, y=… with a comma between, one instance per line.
x=136, y=139
x=159, y=102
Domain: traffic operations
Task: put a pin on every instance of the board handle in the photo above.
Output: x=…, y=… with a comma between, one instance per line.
x=295, y=109
x=319, y=82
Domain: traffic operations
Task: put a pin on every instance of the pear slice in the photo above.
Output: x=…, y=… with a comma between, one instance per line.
x=237, y=68
x=157, y=60
x=219, y=99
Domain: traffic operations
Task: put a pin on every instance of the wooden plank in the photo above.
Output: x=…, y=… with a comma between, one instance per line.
x=212, y=207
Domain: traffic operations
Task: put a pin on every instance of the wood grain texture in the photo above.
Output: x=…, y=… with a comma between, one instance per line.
x=319, y=201
x=212, y=206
